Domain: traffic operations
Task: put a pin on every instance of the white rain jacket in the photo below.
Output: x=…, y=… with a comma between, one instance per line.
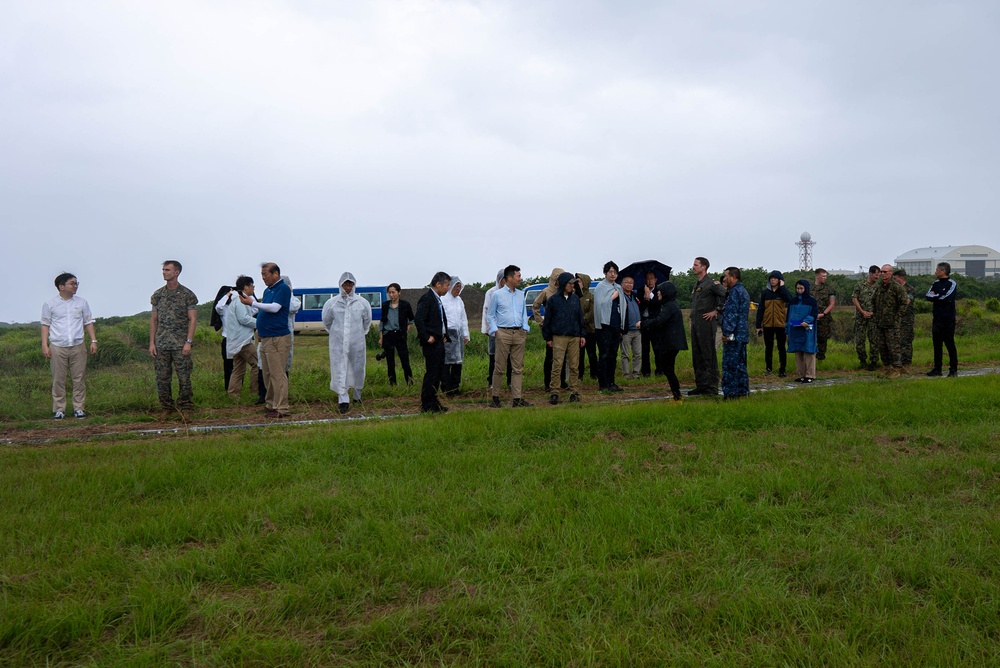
x=347, y=317
x=458, y=323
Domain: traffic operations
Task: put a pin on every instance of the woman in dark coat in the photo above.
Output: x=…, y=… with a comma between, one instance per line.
x=397, y=316
x=668, y=335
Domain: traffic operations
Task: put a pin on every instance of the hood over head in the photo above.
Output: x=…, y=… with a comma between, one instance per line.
x=805, y=283
x=563, y=279
x=455, y=280
x=584, y=282
x=668, y=290
x=775, y=274
x=346, y=276
x=554, y=277
x=499, y=277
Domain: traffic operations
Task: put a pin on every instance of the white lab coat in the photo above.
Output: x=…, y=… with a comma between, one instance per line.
x=347, y=318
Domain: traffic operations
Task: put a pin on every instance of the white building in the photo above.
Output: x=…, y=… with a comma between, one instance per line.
x=975, y=261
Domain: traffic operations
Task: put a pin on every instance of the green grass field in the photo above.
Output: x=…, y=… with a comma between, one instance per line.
x=855, y=524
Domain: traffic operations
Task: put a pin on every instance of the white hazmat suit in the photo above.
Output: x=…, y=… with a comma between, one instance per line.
x=347, y=317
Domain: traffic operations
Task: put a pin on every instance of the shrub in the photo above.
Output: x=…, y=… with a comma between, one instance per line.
x=993, y=305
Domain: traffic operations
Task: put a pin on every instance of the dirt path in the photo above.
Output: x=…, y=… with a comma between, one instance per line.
x=211, y=420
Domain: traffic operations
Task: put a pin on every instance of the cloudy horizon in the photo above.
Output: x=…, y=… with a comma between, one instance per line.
x=396, y=139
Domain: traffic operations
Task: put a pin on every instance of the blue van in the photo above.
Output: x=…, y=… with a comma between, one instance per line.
x=531, y=293
x=310, y=314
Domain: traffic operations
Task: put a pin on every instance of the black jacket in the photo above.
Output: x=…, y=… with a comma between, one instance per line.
x=405, y=314
x=667, y=326
x=942, y=293
x=428, y=318
x=563, y=315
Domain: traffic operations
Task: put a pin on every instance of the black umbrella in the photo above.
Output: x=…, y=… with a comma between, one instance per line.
x=638, y=271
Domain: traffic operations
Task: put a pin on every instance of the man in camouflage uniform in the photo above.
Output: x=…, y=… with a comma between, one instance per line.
x=826, y=299
x=906, y=322
x=171, y=334
x=707, y=298
x=890, y=302
x=864, y=325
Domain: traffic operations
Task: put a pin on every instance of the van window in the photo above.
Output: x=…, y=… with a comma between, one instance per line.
x=373, y=298
x=314, y=302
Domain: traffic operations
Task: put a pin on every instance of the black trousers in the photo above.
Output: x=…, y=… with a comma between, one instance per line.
x=645, y=337
x=666, y=361
x=434, y=359
x=451, y=380
x=609, y=340
x=591, y=349
x=394, y=343
x=227, y=364
x=770, y=334
x=943, y=335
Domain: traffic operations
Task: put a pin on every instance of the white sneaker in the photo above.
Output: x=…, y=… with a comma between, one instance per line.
x=79, y=414
x=59, y=415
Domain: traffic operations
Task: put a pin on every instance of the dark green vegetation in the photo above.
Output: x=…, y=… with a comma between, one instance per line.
x=849, y=525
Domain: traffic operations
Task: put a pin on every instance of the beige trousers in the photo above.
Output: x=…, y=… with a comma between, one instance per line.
x=805, y=365
x=510, y=344
x=71, y=361
x=567, y=347
x=246, y=357
x=273, y=355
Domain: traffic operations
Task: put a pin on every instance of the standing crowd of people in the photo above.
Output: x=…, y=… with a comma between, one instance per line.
x=578, y=325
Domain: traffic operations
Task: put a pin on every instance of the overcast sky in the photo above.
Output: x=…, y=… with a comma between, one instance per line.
x=395, y=139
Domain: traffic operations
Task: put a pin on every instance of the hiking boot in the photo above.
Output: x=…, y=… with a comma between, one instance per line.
x=554, y=399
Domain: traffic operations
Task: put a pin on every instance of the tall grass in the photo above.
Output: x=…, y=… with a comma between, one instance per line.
x=850, y=525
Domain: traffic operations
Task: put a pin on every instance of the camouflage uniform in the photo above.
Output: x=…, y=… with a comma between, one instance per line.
x=171, y=307
x=890, y=302
x=823, y=294
x=906, y=327
x=864, y=328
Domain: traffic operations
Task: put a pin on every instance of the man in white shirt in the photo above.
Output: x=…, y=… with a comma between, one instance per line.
x=64, y=318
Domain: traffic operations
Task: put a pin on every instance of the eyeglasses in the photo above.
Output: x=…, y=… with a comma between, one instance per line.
x=73, y=283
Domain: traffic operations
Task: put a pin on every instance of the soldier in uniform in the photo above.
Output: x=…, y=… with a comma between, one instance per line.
x=826, y=298
x=707, y=297
x=171, y=334
x=890, y=302
x=864, y=326
x=906, y=322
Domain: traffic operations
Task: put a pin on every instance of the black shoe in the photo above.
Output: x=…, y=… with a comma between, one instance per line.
x=863, y=366
x=614, y=388
x=934, y=372
x=495, y=402
x=574, y=398
x=554, y=399
x=695, y=392
x=873, y=367
x=392, y=382
x=564, y=386
x=808, y=380
x=767, y=372
x=520, y=403
x=782, y=374
x=344, y=408
x=548, y=388
x=953, y=373
x=434, y=409
x=260, y=401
